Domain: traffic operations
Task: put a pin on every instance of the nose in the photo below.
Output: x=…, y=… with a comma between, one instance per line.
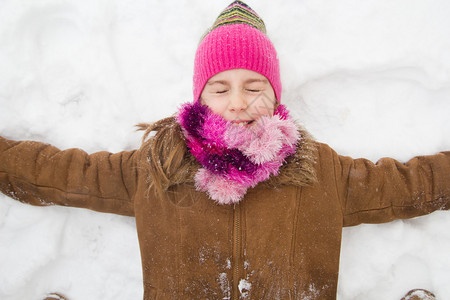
x=238, y=103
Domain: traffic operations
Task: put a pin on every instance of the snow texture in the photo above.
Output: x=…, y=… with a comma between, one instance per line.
x=244, y=288
x=370, y=78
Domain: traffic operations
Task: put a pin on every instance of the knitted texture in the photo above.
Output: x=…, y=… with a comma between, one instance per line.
x=237, y=40
x=239, y=12
x=235, y=158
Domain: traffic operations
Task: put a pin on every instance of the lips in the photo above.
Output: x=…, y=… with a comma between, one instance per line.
x=242, y=122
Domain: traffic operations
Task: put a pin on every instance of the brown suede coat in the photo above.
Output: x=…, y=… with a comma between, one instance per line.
x=281, y=242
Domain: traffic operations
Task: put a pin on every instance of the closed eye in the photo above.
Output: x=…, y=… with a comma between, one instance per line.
x=221, y=92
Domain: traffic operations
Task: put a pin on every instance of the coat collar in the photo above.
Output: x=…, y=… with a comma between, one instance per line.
x=299, y=169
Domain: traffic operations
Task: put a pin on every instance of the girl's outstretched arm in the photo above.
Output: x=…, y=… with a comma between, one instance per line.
x=40, y=174
x=389, y=190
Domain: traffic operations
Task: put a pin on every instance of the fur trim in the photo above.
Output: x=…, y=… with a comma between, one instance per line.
x=298, y=170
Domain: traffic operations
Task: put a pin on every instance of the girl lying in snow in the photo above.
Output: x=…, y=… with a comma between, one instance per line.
x=233, y=176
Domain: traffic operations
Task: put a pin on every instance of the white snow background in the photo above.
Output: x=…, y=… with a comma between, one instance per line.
x=370, y=78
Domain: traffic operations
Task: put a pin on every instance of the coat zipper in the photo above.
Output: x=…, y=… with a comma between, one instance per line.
x=236, y=250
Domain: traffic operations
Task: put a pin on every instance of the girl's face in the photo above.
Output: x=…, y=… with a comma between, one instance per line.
x=239, y=95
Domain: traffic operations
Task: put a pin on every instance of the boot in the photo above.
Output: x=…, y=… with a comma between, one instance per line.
x=55, y=296
x=419, y=294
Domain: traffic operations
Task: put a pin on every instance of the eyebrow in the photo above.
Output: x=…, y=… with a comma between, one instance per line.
x=263, y=80
x=224, y=82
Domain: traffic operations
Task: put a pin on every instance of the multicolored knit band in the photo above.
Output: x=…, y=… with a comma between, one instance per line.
x=237, y=40
x=239, y=12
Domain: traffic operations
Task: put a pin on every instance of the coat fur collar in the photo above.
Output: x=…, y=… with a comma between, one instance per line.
x=170, y=163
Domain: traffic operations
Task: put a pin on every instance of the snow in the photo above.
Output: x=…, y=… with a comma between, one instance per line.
x=370, y=78
x=224, y=286
x=244, y=288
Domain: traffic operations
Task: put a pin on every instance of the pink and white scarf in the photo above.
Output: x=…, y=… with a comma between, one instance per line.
x=234, y=157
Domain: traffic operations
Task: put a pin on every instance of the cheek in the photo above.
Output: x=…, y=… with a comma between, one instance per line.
x=263, y=106
x=218, y=106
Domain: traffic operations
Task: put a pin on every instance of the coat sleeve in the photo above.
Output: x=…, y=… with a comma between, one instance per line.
x=389, y=189
x=40, y=174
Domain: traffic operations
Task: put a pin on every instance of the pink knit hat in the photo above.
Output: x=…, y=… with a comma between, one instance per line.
x=237, y=40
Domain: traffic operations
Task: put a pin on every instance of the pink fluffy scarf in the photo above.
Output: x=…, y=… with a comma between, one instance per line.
x=235, y=158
